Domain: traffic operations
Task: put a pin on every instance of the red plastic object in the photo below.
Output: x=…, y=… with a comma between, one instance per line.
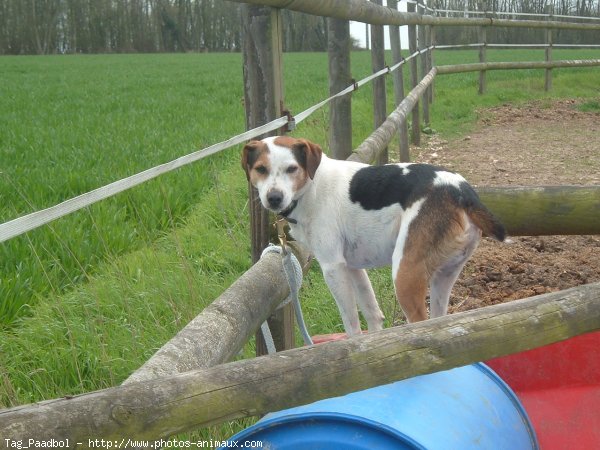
x=559, y=386
x=321, y=338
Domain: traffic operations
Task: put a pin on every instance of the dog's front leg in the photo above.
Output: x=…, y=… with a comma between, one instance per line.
x=365, y=297
x=340, y=282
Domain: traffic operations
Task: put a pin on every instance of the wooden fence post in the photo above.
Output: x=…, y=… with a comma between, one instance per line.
x=379, y=98
x=340, y=77
x=432, y=43
x=482, y=35
x=404, y=150
x=414, y=77
x=548, y=51
x=429, y=33
x=422, y=45
x=263, y=88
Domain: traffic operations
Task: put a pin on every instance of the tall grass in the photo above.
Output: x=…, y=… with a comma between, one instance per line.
x=69, y=124
x=98, y=292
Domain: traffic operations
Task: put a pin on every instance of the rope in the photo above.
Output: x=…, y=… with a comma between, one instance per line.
x=293, y=273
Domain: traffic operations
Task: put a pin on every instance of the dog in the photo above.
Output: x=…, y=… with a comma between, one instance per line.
x=421, y=219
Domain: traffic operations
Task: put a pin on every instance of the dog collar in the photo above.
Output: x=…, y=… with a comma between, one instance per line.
x=287, y=211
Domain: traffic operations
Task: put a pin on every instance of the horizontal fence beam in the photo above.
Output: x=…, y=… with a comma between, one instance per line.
x=476, y=67
x=162, y=407
x=222, y=329
x=381, y=137
x=547, y=210
x=368, y=12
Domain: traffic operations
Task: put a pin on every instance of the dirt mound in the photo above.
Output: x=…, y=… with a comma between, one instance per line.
x=543, y=143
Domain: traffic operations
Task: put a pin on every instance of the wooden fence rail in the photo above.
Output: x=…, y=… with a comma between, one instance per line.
x=165, y=406
x=545, y=210
x=368, y=12
x=475, y=67
x=367, y=152
x=222, y=329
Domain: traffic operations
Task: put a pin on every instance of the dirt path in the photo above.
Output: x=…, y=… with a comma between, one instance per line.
x=537, y=144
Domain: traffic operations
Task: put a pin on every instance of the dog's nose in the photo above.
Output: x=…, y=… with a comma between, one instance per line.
x=275, y=198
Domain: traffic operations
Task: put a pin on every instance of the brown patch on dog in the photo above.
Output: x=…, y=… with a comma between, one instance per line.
x=437, y=234
x=285, y=141
x=411, y=288
x=307, y=153
x=487, y=222
x=255, y=154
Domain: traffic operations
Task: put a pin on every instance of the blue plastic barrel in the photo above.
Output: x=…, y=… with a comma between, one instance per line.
x=465, y=408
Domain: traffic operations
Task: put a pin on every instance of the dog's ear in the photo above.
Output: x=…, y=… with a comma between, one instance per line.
x=308, y=155
x=249, y=156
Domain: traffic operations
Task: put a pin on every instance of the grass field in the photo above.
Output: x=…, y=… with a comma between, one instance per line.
x=86, y=300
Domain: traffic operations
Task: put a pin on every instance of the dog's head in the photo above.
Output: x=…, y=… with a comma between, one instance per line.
x=280, y=168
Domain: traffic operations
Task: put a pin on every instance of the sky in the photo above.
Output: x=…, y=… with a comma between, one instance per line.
x=358, y=31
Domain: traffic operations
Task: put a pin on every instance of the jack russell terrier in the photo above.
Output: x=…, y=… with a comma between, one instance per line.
x=423, y=220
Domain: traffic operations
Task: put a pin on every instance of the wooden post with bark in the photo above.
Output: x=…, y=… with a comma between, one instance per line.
x=395, y=43
x=482, y=35
x=422, y=46
x=548, y=51
x=379, y=96
x=414, y=78
x=263, y=88
x=340, y=77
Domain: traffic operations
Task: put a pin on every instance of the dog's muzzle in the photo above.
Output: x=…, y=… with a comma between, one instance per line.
x=274, y=199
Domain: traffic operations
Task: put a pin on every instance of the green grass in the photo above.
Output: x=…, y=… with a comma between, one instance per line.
x=88, y=299
x=69, y=124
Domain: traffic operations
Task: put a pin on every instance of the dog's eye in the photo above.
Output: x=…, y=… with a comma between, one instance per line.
x=261, y=169
x=292, y=169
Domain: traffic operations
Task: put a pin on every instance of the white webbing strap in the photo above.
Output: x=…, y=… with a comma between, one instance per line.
x=28, y=222
x=293, y=273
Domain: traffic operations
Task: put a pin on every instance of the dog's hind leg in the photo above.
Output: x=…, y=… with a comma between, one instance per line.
x=445, y=276
x=409, y=270
x=366, y=300
x=341, y=284
x=410, y=283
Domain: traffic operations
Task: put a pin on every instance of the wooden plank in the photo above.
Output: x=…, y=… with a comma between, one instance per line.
x=160, y=408
x=340, y=77
x=546, y=210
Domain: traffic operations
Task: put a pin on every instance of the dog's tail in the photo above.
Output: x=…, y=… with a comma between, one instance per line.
x=489, y=224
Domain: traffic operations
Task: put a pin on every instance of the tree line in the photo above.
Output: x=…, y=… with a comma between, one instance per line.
x=461, y=35
x=107, y=26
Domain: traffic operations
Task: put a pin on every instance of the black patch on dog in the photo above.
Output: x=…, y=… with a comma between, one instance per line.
x=375, y=187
